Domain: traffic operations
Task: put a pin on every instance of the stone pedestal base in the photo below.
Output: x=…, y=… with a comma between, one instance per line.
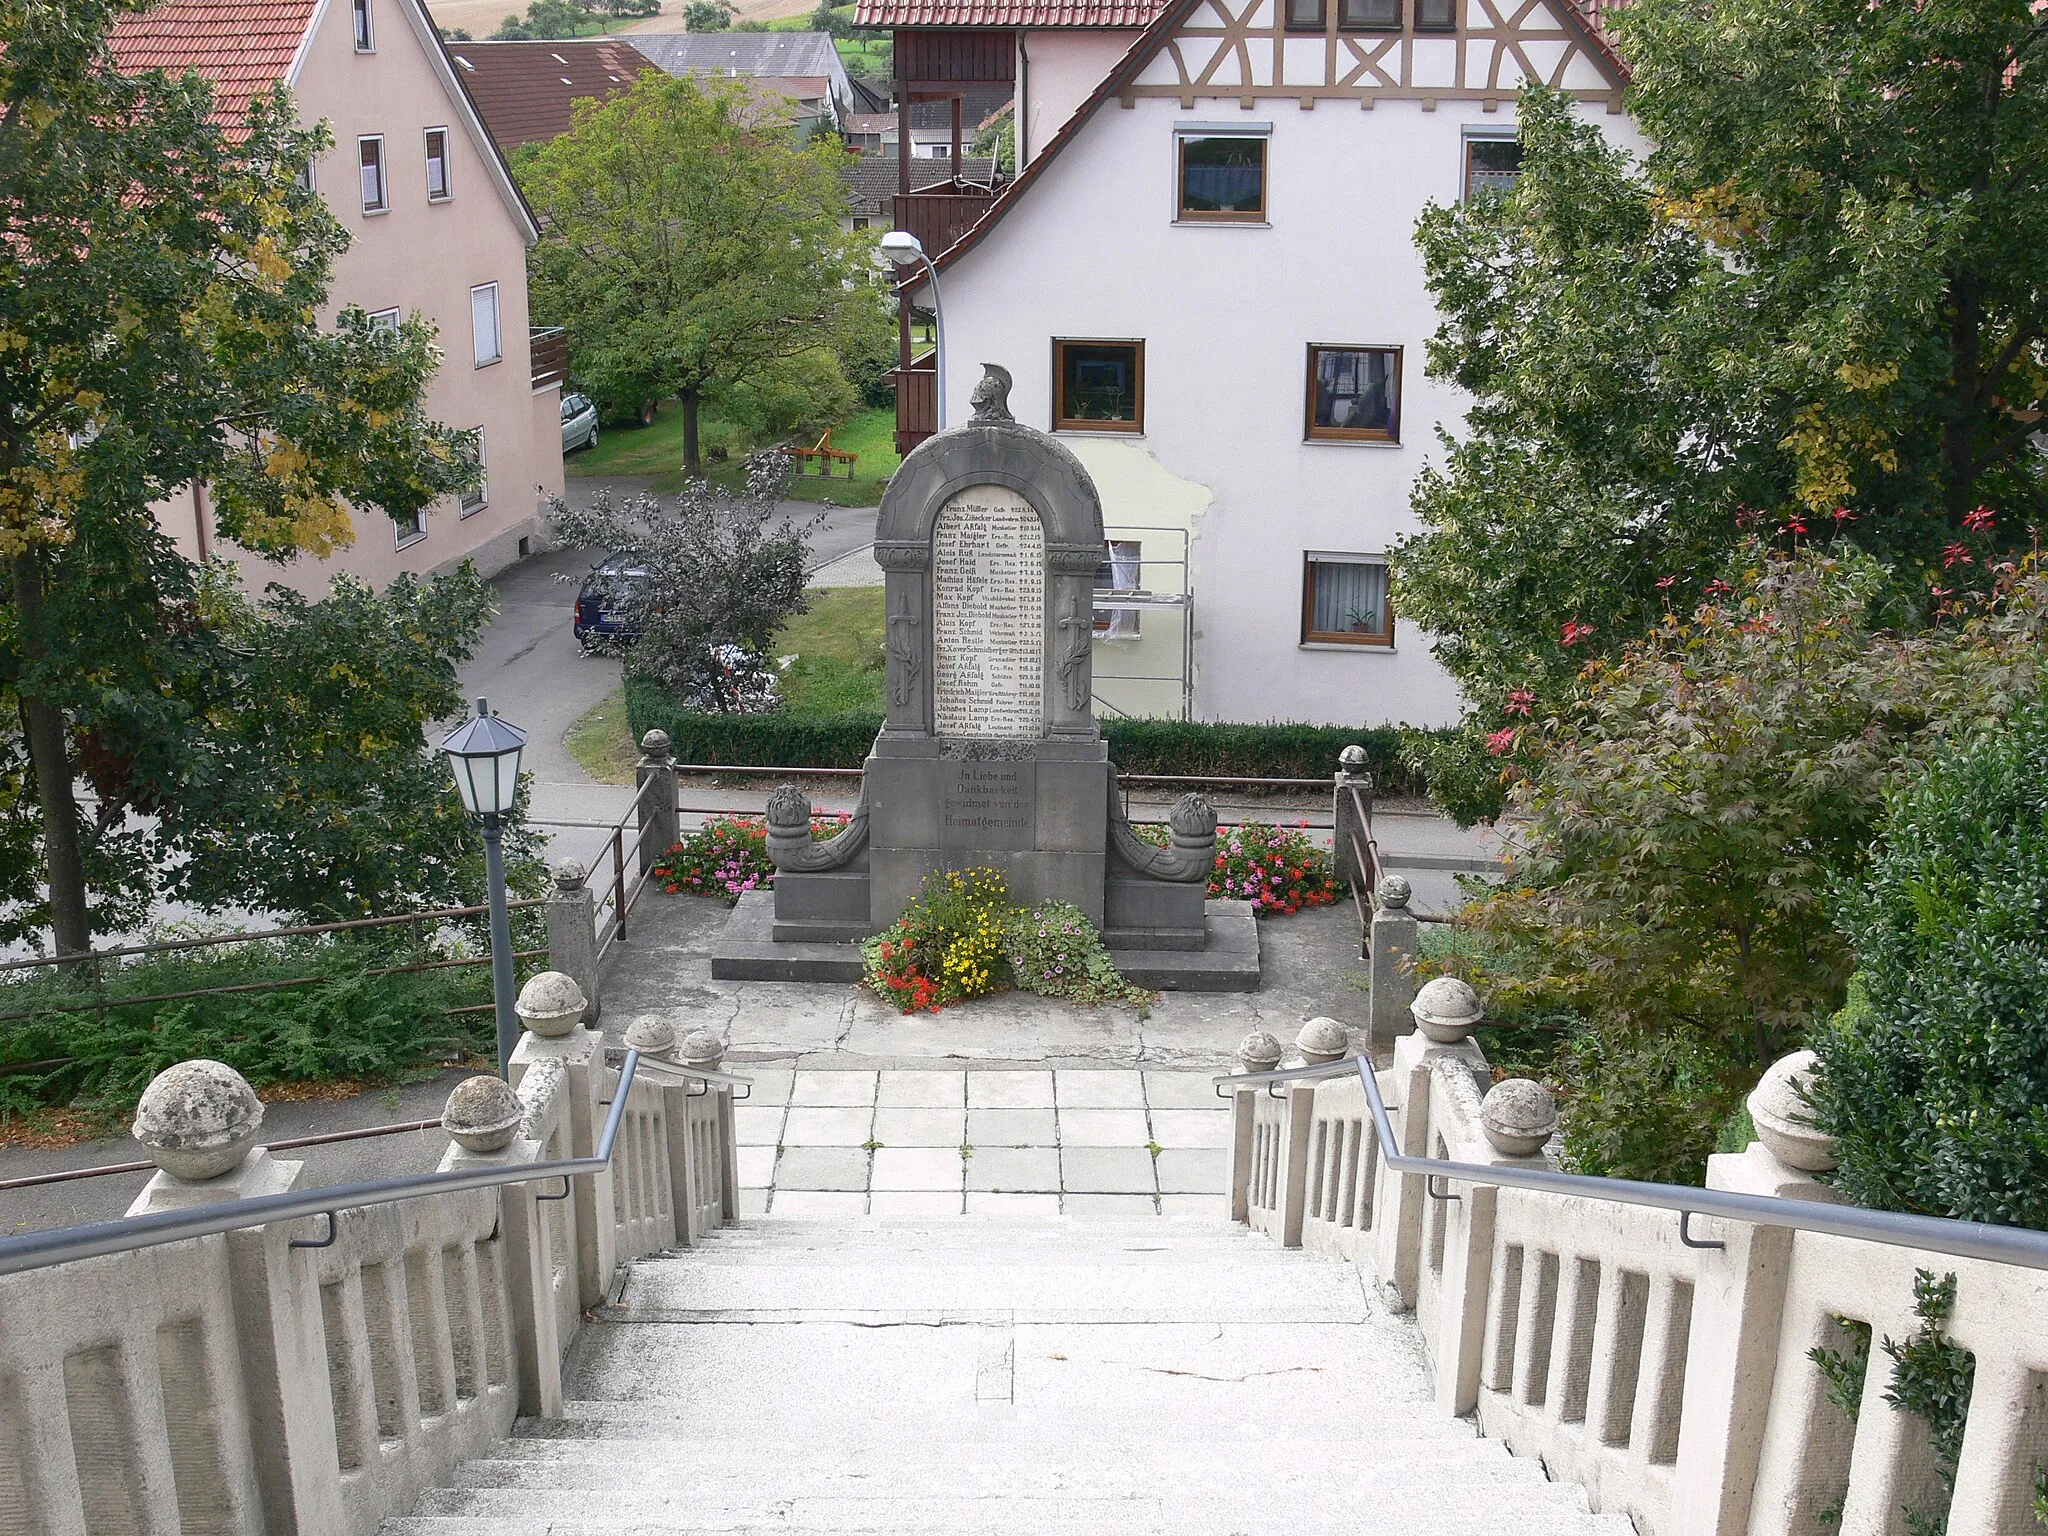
x=750, y=949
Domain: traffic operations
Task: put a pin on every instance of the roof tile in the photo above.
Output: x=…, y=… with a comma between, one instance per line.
x=1007, y=13
x=243, y=46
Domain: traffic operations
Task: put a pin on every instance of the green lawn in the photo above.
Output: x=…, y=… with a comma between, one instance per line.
x=838, y=649
x=657, y=451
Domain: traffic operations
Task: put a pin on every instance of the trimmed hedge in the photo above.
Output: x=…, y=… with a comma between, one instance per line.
x=1135, y=746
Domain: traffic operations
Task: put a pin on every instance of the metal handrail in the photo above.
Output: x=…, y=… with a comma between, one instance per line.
x=1937, y=1234
x=65, y=1245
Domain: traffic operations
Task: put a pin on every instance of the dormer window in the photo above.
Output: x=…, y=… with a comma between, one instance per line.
x=366, y=37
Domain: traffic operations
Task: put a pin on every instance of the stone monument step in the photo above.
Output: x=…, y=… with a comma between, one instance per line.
x=746, y=949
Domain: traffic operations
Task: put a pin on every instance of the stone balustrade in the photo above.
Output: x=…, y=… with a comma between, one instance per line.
x=1670, y=1374
x=318, y=1375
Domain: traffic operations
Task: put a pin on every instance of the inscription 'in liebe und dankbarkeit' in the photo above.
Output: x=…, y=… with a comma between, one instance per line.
x=988, y=616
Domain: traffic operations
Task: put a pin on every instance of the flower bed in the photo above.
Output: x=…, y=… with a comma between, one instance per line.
x=1277, y=869
x=963, y=937
x=728, y=856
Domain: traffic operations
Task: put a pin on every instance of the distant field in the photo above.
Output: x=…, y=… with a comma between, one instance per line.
x=480, y=18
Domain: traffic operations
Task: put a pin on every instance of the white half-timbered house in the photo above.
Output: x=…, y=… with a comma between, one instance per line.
x=1204, y=280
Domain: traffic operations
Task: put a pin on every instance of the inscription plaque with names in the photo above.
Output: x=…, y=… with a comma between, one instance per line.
x=988, y=617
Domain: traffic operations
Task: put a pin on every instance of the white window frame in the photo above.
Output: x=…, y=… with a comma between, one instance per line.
x=469, y=503
x=447, y=192
x=308, y=177
x=1489, y=134
x=385, y=319
x=383, y=203
x=497, y=327
x=363, y=26
x=404, y=538
x=1246, y=130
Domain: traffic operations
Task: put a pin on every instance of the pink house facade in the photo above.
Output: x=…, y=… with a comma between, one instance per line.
x=437, y=227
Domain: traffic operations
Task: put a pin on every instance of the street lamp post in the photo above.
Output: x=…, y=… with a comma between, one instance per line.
x=484, y=757
x=904, y=248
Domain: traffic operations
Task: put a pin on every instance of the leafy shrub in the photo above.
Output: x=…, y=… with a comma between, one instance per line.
x=337, y=1022
x=728, y=857
x=1135, y=746
x=1645, y=1104
x=1053, y=950
x=1934, y=1079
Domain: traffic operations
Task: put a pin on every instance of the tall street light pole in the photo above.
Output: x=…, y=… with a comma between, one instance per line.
x=484, y=757
x=905, y=249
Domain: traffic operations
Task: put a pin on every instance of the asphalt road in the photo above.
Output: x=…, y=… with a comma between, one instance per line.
x=532, y=670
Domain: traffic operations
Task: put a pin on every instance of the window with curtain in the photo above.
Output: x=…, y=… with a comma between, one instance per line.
x=370, y=154
x=1354, y=393
x=1344, y=601
x=411, y=528
x=483, y=320
x=1119, y=573
x=1491, y=166
x=366, y=39
x=438, y=188
x=1223, y=177
x=1099, y=386
x=1370, y=16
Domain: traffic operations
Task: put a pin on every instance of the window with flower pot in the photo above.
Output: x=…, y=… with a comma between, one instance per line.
x=1098, y=386
x=1354, y=393
x=1344, y=601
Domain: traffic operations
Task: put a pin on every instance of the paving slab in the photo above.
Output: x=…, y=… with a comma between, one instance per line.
x=1014, y=1170
x=1103, y=1128
x=1187, y=1127
x=822, y=1168
x=832, y=1089
x=819, y=1205
x=809, y=1127
x=1184, y=1171
x=1085, y=1088
x=1106, y=1170
x=920, y=1127
x=757, y=1126
x=917, y=1168
x=1181, y=1090
x=912, y=1088
x=1012, y=1128
x=1009, y=1090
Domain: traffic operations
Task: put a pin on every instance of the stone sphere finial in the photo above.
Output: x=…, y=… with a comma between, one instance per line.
x=1352, y=758
x=655, y=743
x=1518, y=1116
x=1258, y=1052
x=1322, y=1040
x=1446, y=1009
x=789, y=809
x=570, y=875
x=1395, y=892
x=1783, y=1115
x=702, y=1048
x=651, y=1035
x=482, y=1114
x=551, y=1005
x=199, y=1119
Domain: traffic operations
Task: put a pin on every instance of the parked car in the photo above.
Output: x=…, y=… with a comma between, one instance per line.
x=608, y=602
x=579, y=422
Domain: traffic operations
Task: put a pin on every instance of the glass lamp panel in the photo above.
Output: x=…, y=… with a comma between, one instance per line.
x=506, y=786
x=464, y=769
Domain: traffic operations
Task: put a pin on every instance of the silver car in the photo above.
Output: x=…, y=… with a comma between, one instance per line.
x=579, y=422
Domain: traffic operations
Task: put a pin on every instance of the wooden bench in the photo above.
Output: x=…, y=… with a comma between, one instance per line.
x=825, y=455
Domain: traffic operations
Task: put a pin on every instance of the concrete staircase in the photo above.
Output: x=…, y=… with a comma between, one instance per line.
x=992, y=1377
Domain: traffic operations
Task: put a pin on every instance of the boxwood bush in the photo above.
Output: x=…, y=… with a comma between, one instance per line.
x=1934, y=1078
x=793, y=740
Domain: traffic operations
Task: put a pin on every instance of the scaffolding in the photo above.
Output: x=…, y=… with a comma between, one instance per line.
x=1150, y=596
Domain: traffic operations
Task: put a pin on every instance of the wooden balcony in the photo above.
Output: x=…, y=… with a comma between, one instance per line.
x=548, y=347
x=940, y=215
x=917, y=401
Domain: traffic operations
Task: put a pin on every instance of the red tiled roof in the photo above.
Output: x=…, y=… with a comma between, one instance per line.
x=243, y=46
x=525, y=91
x=1126, y=14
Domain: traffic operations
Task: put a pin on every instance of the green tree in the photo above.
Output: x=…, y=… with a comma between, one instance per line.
x=160, y=277
x=1818, y=298
x=691, y=245
x=707, y=16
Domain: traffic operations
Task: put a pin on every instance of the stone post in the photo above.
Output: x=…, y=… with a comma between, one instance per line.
x=1348, y=828
x=572, y=933
x=659, y=828
x=1258, y=1052
x=199, y=1121
x=482, y=1119
x=551, y=1007
x=1390, y=964
x=1737, y=1312
x=702, y=1048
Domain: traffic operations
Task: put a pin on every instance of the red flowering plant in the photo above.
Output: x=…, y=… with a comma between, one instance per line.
x=946, y=947
x=1279, y=870
x=728, y=857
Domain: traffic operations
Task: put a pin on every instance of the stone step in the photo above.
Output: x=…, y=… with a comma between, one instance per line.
x=1221, y=1500
x=968, y=1521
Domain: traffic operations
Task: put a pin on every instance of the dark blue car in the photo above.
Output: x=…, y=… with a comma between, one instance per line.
x=609, y=603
